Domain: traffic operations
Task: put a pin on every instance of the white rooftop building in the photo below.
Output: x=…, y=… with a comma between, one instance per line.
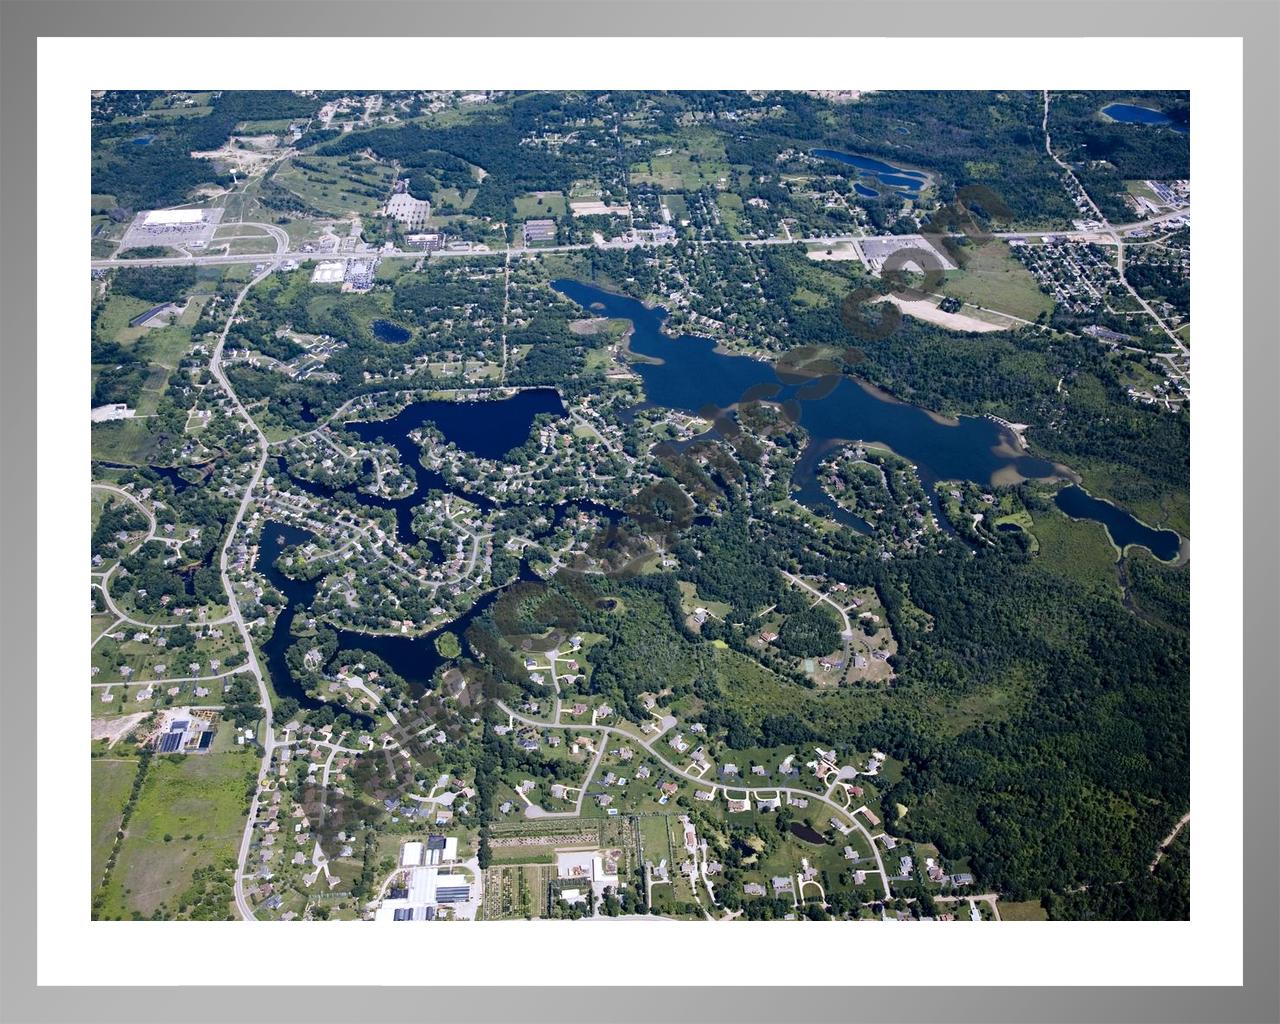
x=164, y=217
x=329, y=272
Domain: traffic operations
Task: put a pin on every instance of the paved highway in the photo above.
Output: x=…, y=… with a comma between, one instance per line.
x=1104, y=236
x=264, y=697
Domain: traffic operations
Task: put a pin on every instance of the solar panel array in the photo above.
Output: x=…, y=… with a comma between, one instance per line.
x=170, y=742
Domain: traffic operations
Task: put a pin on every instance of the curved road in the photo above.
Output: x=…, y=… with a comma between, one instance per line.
x=268, y=733
x=104, y=584
x=647, y=744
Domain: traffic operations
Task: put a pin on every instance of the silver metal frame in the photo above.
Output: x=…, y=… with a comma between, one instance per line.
x=1258, y=23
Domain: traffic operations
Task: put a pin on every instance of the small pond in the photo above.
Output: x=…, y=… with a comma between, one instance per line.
x=810, y=835
x=390, y=332
x=1128, y=113
x=884, y=174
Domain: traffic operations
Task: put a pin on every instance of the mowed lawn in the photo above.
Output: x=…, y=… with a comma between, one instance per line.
x=336, y=186
x=538, y=205
x=111, y=779
x=200, y=802
x=994, y=279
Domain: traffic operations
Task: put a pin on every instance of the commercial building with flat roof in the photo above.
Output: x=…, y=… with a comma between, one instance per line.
x=426, y=240
x=329, y=272
x=539, y=231
x=165, y=217
x=191, y=227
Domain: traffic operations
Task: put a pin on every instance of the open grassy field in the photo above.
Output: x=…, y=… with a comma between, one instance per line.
x=1001, y=700
x=1028, y=910
x=730, y=205
x=675, y=202
x=336, y=185
x=994, y=279
x=269, y=127
x=251, y=246
x=452, y=197
x=655, y=838
x=1080, y=550
x=148, y=119
x=127, y=441
x=690, y=599
x=1138, y=187
x=190, y=814
x=541, y=204
x=696, y=159
x=110, y=782
x=119, y=310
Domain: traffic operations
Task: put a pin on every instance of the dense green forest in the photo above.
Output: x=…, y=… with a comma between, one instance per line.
x=1079, y=707
x=155, y=284
x=442, y=156
x=1104, y=153
x=1160, y=895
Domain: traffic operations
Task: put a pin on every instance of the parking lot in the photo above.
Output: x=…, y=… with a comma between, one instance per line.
x=187, y=228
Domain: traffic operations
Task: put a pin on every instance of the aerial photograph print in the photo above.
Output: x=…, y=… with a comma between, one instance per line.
x=705, y=505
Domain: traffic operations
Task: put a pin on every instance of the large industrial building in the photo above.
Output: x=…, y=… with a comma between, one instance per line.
x=428, y=879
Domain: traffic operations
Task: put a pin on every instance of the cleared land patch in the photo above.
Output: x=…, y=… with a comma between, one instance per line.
x=994, y=279
x=199, y=803
x=110, y=782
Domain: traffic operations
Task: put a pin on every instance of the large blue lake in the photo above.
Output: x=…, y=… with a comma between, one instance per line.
x=487, y=429
x=689, y=374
